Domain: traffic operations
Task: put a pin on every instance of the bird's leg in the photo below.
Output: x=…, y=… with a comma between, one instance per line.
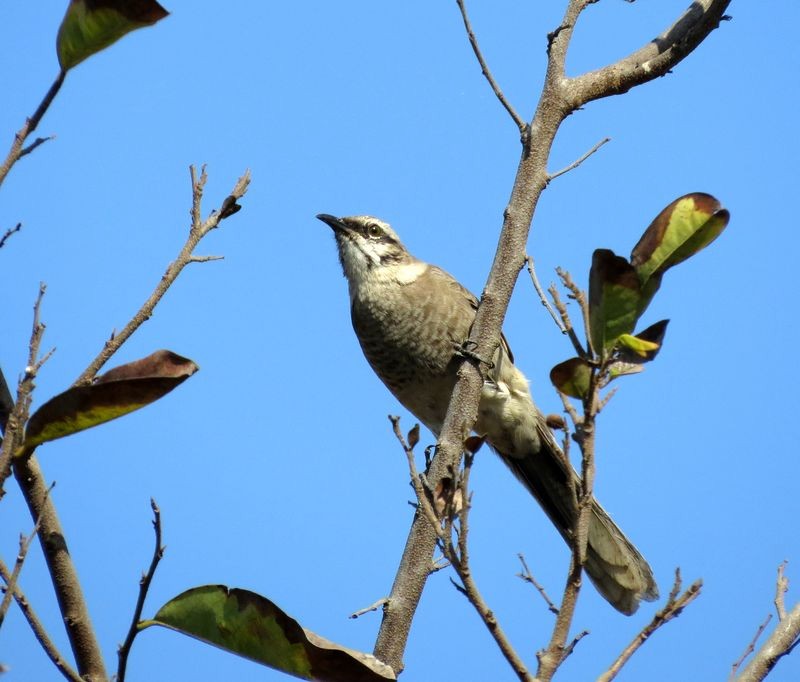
x=465, y=351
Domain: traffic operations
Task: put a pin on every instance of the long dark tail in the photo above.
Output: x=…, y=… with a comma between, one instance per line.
x=618, y=570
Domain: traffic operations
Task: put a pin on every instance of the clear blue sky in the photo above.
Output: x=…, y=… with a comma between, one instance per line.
x=275, y=467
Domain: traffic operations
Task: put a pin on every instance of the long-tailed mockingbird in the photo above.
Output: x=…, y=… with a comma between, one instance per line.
x=411, y=318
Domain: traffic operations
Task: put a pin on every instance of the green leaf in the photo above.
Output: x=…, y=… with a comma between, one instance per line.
x=252, y=626
x=572, y=377
x=121, y=390
x=639, y=346
x=633, y=351
x=614, y=299
x=683, y=228
x=92, y=25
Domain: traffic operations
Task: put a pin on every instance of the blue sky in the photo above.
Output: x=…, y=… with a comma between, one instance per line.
x=275, y=467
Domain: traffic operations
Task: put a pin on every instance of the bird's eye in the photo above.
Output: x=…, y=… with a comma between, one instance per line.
x=374, y=230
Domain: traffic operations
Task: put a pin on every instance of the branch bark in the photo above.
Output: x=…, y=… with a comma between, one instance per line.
x=560, y=97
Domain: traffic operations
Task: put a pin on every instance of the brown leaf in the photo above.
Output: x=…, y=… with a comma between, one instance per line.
x=413, y=436
x=474, y=443
x=161, y=363
x=119, y=391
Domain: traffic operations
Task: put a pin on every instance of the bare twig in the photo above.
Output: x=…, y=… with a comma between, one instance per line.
x=16, y=150
x=542, y=297
x=368, y=609
x=144, y=586
x=672, y=609
x=11, y=584
x=473, y=41
x=14, y=428
x=751, y=647
x=424, y=503
x=578, y=295
x=578, y=161
x=784, y=638
x=33, y=145
x=527, y=576
x=571, y=646
x=198, y=230
x=460, y=560
x=781, y=588
x=38, y=629
x=205, y=259
x=566, y=322
x=8, y=233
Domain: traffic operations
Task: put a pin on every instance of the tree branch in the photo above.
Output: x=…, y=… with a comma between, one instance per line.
x=784, y=638
x=17, y=150
x=38, y=629
x=672, y=609
x=473, y=41
x=198, y=230
x=559, y=98
x=8, y=233
x=66, y=583
x=11, y=583
x=577, y=162
x=14, y=426
x=144, y=586
x=656, y=58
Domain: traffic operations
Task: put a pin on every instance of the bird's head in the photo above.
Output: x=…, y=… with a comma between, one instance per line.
x=366, y=246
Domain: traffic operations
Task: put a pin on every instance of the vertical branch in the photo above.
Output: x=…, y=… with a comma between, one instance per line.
x=144, y=586
x=63, y=574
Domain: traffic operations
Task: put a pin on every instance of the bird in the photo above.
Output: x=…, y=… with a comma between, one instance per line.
x=411, y=318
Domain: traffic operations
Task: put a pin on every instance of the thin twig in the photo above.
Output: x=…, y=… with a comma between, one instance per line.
x=751, y=647
x=460, y=561
x=33, y=145
x=30, y=125
x=542, y=297
x=8, y=233
x=783, y=640
x=198, y=230
x=24, y=546
x=781, y=588
x=205, y=259
x=580, y=298
x=672, y=609
x=578, y=161
x=527, y=576
x=473, y=41
x=38, y=629
x=571, y=646
x=368, y=609
x=144, y=586
x=566, y=322
x=423, y=496
x=15, y=426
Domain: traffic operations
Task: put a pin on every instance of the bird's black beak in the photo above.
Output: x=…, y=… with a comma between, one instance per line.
x=336, y=224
